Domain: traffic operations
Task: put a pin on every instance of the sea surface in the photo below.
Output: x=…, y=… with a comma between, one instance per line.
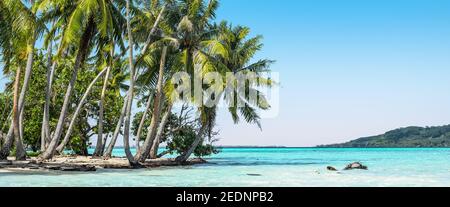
x=277, y=167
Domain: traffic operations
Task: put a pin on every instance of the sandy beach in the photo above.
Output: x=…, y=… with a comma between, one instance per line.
x=84, y=163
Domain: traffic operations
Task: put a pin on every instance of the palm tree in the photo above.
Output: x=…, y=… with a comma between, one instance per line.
x=241, y=50
x=99, y=146
x=157, y=103
x=189, y=28
x=130, y=91
x=25, y=27
x=148, y=42
x=84, y=20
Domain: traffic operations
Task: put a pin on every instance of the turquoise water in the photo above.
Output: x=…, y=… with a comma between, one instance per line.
x=282, y=167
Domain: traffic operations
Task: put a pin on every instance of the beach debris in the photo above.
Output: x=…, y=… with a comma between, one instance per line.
x=256, y=175
x=34, y=167
x=82, y=168
x=5, y=162
x=330, y=168
x=356, y=165
x=52, y=167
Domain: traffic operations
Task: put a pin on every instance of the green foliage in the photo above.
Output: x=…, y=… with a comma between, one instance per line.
x=187, y=28
x=183, y=139
x=405, y=137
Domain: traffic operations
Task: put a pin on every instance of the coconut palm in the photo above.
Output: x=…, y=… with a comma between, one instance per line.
x=241, y=50
x=26, y=27
x=88, y=20
x=149, y=40
x=187, y=26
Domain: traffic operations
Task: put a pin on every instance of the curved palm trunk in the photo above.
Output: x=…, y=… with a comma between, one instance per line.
x=126, y=136
x=104, y=143
x=45, y=130
x=141, y=124
x=20, y=103
x=198, y=139
x=66, y=139
x=81, y=55
x=99, y=146
x=159, y=133
x=145, y=150
x=20, y=153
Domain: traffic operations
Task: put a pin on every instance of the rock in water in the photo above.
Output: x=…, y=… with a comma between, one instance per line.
x=355, y=165
x=331, y=168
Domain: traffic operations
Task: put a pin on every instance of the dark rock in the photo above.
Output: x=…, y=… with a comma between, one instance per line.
x=255, y=175
x=330, y=168
x=355, y=165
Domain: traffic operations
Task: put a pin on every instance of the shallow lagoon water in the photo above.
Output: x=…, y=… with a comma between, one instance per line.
x=283, y=167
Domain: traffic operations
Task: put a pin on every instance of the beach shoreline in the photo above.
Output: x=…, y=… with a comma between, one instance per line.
x=88, y=164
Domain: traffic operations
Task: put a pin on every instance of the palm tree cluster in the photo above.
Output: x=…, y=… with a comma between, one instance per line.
x=79, y=67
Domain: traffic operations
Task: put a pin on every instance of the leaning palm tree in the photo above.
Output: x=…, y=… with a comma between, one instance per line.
x=83, y=26
x=26, y=27
x=187, y=26
x=241, y=50
x=148, y=41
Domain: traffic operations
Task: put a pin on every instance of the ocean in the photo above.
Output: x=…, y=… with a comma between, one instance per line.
x=268, y=167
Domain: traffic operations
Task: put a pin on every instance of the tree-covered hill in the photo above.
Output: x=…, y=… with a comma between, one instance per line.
x=416, y=137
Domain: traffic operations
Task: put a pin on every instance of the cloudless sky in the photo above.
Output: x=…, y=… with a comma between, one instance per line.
x=348, y=68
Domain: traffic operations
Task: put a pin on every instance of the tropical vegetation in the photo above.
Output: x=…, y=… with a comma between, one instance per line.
x=78, y=70
x=408, y=137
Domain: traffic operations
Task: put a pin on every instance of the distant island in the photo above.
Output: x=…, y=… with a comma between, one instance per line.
x=409, y=137
x=250, y=146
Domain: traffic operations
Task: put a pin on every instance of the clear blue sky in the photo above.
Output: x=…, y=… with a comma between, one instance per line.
x=348, y=68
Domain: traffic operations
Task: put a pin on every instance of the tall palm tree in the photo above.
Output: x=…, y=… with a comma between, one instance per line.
x=241, y=50
x=25, y=27
x=126, y=137
x=188, y=27
x=150, y=39
x=83, y=26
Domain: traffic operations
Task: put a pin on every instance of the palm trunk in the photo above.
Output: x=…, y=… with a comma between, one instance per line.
x=198, y=139
x=141, y=124
x=82, y=53
x=144, y=152
x=20, y=103
x=20, y=153
x=21, y=124
x=162, y=126
x=66, y=139
x=99, y=147
x=104, y=143
x=45, y=131
x=126, y=136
